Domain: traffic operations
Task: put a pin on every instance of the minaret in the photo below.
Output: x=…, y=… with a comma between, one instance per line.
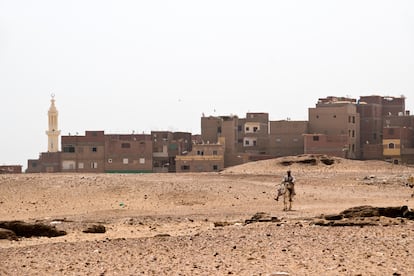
x=53, y=132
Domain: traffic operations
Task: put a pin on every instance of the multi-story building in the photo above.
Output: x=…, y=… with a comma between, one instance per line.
x=398, y=138
x=372, y=110
x=203, y=158
x=228, y=127
x=83, y=153
x=166, y=146
x=128, y=153
x=334, y=128
x=287, y=137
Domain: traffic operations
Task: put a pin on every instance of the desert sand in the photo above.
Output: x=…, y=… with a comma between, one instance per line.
x=195, y=223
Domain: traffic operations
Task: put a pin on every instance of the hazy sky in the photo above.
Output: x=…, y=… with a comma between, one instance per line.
x=124, y=66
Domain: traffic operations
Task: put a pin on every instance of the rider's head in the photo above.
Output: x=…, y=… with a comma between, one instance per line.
x=288, y=172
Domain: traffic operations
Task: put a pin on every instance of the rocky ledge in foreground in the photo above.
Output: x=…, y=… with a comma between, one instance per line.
x=27, y=230
x=366, y=215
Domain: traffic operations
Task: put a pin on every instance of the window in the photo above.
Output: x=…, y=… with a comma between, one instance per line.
x=353, y=147
x=200, y=152
x=255, y=129
x=94, y=149
x=94, y=165
x=254, y=143
x=219, y=130
x=247, y=142
x=125, y=161
x=68, y=148
x=142, y=160
x=391, y=146
x=247, y=129
x=68, y=165
x=278, y=140
x=110, y=160
x=239, y=128
x=215, y=168
x=317, y=116
x=214, y=152
x=185, y=167
x=353, y=133
x=80, y=165
x=315, y=138
x=240, y=141
x=353, y=119
x=125, y=145
x=334, y=116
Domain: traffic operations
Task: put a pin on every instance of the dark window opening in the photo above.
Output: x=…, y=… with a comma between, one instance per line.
x=315, y=138
x=215, y=168
x=125, y=145
x=185, y=167
x=255, y=129
x=200, y=152
x=239, y=128
x=391, y=146
x=94, y=149
x=68, y=149
x=218, y=129
x=214, y=152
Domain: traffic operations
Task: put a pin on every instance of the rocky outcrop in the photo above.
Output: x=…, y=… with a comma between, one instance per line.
x=27, y=230
x=365, y=216
x=96, y=228
x=261, y=217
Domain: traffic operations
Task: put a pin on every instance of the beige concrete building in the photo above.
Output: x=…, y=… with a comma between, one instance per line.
x=84, y=153
x=128, y=153
x=203, y=158
x=336, y=122
x=286, y=137
x=373, y=109
x=166, y=146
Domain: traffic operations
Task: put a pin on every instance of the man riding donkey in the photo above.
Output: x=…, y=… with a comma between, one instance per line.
x=288, y=182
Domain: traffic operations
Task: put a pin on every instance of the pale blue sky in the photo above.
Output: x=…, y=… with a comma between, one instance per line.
x=121, y=66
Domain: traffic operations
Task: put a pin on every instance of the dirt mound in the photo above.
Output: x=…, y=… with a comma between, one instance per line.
x=314, y=162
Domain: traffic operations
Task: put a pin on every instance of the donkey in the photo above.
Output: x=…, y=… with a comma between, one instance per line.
x=286, y=190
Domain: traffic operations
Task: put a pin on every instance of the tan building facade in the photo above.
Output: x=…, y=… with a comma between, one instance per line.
x=203, y=158
x=336, y=122
x=286, y=137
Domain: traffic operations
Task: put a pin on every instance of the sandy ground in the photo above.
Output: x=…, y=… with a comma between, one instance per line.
x=166, y=224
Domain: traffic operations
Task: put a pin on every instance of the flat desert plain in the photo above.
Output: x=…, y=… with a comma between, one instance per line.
x=195, y=223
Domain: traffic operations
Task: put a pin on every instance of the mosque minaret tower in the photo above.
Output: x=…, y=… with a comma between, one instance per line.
x=53, y=132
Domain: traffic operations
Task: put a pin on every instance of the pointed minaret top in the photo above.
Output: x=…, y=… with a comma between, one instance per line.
x=52, y=104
